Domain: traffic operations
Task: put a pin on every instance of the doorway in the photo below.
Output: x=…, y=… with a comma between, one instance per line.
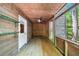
x=22, y=37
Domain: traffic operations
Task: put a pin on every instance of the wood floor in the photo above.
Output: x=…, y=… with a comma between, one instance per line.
x=39, y=47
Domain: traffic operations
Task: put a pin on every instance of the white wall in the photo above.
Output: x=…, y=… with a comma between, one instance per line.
x=51, y=31
x=22, y=38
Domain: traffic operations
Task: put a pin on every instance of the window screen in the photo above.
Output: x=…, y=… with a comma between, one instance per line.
x=60, y=27
x=78, y=20
x=69, y=29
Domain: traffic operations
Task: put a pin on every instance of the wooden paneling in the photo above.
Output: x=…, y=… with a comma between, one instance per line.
x=9, y=9
x=8, y=45
x=29, y=30
x=9, y=26
x=73, y=50
x=9, y=41
x=37, y=10
x=60, y=44
x=40, y=29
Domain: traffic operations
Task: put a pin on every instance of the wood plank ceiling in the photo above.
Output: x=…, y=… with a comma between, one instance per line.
x=43, y=11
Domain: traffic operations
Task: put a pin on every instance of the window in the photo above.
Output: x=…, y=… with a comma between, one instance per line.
x=21, y=28
x=69, y=29
x=60, y=27
x=67, y=25
x=78, y=20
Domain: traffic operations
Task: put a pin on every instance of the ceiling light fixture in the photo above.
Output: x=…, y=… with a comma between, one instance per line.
x=39, y=20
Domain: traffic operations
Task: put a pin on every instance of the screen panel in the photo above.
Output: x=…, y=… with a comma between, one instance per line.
x=69, y=28
x=60, y=27
x=78, y=21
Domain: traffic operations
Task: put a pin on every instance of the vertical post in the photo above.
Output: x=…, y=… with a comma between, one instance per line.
x=66, y=48
x=54, y=32
x=74, y=21
x=66, y=44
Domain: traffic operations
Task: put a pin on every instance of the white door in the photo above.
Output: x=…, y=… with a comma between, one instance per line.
x=22, y=37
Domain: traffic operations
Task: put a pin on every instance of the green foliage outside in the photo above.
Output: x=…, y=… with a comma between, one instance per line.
x=69, y=29
x=78, y=20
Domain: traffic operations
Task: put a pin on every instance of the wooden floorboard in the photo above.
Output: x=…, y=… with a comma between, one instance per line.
x=49, y=49
x=39, y=47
